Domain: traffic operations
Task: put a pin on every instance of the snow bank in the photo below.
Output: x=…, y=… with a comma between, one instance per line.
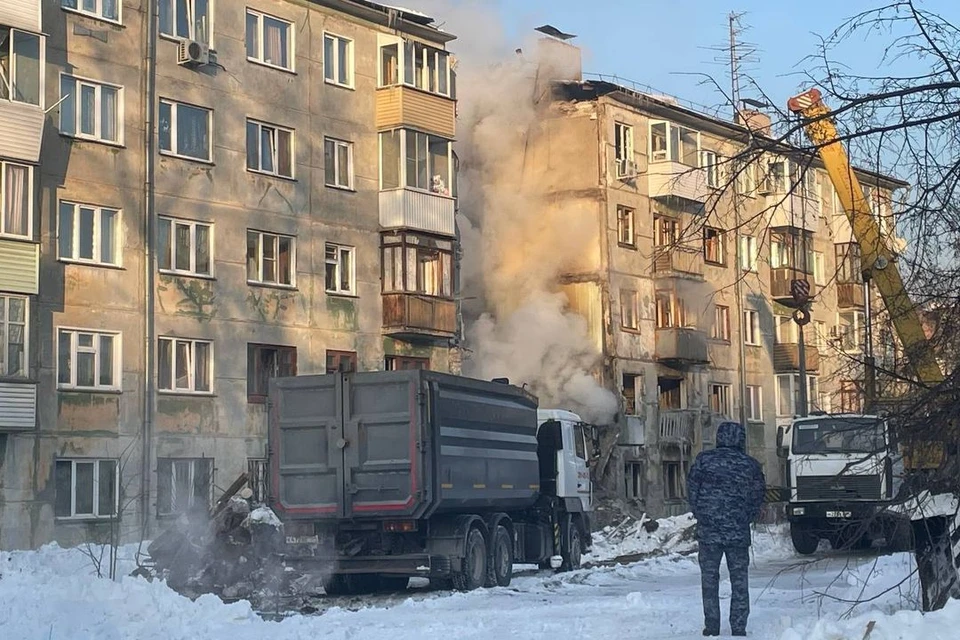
x=902, y=625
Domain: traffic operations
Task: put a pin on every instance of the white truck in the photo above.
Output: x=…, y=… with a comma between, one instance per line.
x=844, y=474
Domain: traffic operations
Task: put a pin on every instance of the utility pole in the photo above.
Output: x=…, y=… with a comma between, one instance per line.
x=738, y=249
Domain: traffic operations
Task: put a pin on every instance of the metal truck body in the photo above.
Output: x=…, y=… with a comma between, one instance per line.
x=381, y=476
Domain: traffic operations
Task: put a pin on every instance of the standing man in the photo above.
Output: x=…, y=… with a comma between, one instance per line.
x=725, y=490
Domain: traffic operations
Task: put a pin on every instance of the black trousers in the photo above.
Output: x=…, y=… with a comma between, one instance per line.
x=738, y=563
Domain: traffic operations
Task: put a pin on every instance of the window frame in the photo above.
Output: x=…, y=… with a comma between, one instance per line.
x=402, y=177
x=275, y=138
x=96, y=515
x=351, y=66
x=192, y=481
x=724, y=398
x=337, y=145
x=192, y=23
x=5, y=334
x=291, y=40
x=754, y=403
x=857, y=328
x=116, y=368
x=276, y=238
x=624, y=151
x=813, y=392
x=337, y=357
x=672, y=311
x=174, y=117
x=42, y=64
x=191, y=389
x=710, y=163
x=31, y=204
x=626, y=216
x=97, y=13
x=669, y=153
x=720, y=311
x=402, y=244
x=748, y=253
x=630, y=310
x=338, y=291
x=752, y=336
x=258, y=387
x=97, y=240
x=720, y=236
x=97, y=85
x=390, y=362
x=193, y=224
x=417, y=50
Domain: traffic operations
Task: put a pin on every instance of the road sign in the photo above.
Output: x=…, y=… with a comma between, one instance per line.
x=800, y=290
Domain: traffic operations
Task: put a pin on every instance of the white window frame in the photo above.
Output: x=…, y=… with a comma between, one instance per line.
x=629, y=302
x=628, y=228
x=116, y=365
x=745, y=182
x=820, y=331
x=191, y=481
x=414, y=49
x=793, y=337
x=193, y=224
x=275, y=135
x=97, y=229
x=671, y=154
x=748, y=254
x=191, y=387
x=725, y=397
x=813, y=392
x=192, y=23
x=751, y=328
x=174, y=115
x=291, y=41
x=262, y=237
x=4, y=233
x=721, y=330
x=819, y=271
x=858, y=327
x=710, y=162
x=96, y=488
x=335, y=66
x=96, y=13
x=352, y=291
x=623, y=139
x=5, y=323
x=337, y=145
x=8, y=82
x=97, y=85
x=754, y=403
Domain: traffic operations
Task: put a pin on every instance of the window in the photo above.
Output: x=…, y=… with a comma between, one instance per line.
x=265, y=362
x=13, y=335
x=751, y=327
x=710, y=162
x=187, y=19
x=86, y=488
x=16, y=200
x=625, y=227
x=338, y=163
x=403, y=363
x=103, y=9
x=88, y=360
x=748, y=253
x=851, y=330
x=634, y=478
x=672, y=142
x=629, y=309
x=22, y=62
x=341, y=361
x=340, y=269
x=820, y=329
x=185, y=130
x=91, y=110
x=746, y=180
x=786, y=330
x=721, y=323
x=755, y=403
x=848, y=263
x=185, y=365
x=792, y=250
x=271, y=258
x=338, y=60
x=185, y=247
x=818, y=268
x=270, y=40
x=417, y=264
x=269, y=149
x=666, y=231
x=257, y=479
x=623, y=150
x=87, y=233
x=674, y=480
x=788, y=394
x=423, y=67
x=851, y=396
x=183, y=485
x=714, y=246
x=721, y=399
x=672, y=311
x=416, y=160
x=630, y=382
x=775, y=179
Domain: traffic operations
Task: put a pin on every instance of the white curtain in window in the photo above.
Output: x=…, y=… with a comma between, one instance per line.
x=108, y=114
x=274, y=42
x=16, y=200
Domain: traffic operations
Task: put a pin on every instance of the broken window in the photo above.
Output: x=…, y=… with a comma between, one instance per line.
x=183, y=485
x=674, y=480
x=672, y=311
x=338, y=361
x=625, y=227
x=721, y=399
x=633, y=476
x=629, y=392
x=623, y=149
x=670, y=392
x=265, y=362
x=714, y=246
x=417, y=264
x=666, y=231
x=629, y=309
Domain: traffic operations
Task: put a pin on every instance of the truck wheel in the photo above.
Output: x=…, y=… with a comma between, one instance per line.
x=804, y=541
x=500, y=565
x=474, y=571
x=573, y=554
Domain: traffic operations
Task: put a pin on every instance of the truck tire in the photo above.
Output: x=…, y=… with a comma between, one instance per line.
x=573, y=552
x=474, y=570
x=804, y=541
x=500, y=564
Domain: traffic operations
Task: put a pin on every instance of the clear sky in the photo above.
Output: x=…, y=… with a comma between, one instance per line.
x=660, y=42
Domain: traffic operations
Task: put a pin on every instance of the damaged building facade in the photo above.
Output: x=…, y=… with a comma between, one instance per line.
x=686, y=285
x=197, y=197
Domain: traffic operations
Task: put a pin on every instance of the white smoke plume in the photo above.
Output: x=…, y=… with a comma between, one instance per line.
x=515, y=244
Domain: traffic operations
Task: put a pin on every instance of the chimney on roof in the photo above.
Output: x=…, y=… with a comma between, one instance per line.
x=755, y=120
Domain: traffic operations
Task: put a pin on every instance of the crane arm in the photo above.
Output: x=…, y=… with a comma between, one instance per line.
x=876, y=256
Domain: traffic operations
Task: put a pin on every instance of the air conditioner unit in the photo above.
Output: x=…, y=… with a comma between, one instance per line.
x=627, y=169
x=191, y=52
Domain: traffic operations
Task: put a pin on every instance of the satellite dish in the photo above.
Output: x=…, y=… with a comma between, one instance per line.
x=881, y=263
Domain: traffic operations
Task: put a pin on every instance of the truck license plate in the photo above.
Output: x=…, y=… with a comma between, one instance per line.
x=838, y=514
x=302, y=539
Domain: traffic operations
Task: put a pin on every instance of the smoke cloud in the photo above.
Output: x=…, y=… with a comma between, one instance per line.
x=516, y=244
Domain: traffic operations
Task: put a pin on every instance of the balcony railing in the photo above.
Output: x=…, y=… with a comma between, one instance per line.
x=786, y=357
x=670, y=261
x=780, y=283
x=19, y=266
x=682, y=346
x=417, y=210
x=678, y=426
x=675, y=180
x=850, y=295
x=418, y=318
x=409, y=107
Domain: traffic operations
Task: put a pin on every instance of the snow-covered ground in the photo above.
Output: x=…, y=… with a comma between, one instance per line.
x=53, y=594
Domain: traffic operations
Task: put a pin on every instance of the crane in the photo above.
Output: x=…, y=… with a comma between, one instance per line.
x=936, y=523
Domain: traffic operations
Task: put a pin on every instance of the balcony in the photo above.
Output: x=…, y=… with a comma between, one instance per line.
x=18, y=406
x=780, y=283
x=668, y=180
x=19, y=266
x=21, y=131
x=793, y=210
x=681, y=347
x=633, y=434
x=678, y=426
x=21, y=14
x=786, y=357
x=677, y=261
x=417, y=318
x=408, y=107
x=417, y=210
x=850, y=295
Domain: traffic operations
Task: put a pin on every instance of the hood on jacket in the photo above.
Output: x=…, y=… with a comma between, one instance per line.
x=731, y=435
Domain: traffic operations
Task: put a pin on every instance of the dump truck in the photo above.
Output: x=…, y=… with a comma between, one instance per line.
x=383, y=476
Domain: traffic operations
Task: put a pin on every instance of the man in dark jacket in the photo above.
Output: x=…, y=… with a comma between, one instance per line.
x=725, y=490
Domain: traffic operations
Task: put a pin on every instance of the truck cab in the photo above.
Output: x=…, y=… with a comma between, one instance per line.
x=573, y=458
x=843, y=472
